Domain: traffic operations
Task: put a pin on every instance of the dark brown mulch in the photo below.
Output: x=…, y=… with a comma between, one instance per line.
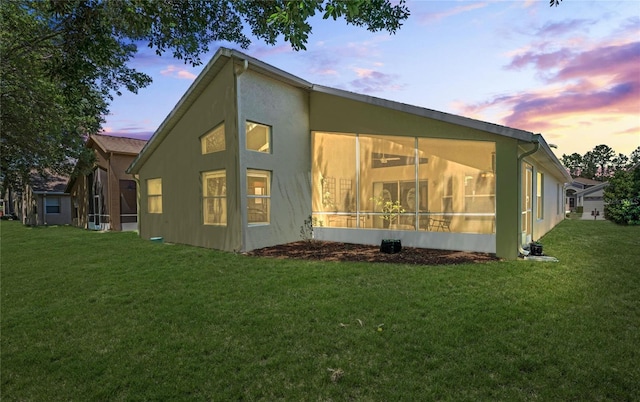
x=336, y=251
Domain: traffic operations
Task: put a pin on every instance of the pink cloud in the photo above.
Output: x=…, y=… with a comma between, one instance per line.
x=262, y=51
x=177, y=72
x=433, y=17
x=601, y=80
x=373, y=81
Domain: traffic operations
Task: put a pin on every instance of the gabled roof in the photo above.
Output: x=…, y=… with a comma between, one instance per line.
x=120, y=145
x=588, y=182
x=47, y=183
x=243, y=62
x=593, y=189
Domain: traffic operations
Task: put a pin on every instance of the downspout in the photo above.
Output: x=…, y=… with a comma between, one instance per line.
x=535, y=140
x=237, y=72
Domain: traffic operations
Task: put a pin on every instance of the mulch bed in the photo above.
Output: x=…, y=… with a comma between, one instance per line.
x=337, y=251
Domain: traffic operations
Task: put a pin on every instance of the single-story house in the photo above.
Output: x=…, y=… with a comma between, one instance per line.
x=592, y=201
x=250, y=152
x=104, y=197
x=44, y=200
x=577, y=185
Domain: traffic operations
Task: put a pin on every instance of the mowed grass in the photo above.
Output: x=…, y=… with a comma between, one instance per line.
x=109, y=316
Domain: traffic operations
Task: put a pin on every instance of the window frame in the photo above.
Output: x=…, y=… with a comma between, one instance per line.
x=539, y=195
x=266, y=197
x=210, y=133
x=219, y=173
x=154, y=196
x=269, y=142
x=58, y=205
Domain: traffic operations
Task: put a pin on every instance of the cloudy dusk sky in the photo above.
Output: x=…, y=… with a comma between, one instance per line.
x=570, y=72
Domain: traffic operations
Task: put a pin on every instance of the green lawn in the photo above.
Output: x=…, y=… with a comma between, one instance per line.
x=108, y=316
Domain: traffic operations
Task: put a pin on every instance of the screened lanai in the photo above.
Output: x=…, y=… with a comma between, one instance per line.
x=403, y=183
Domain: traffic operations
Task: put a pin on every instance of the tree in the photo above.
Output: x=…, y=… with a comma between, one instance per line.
x=622, y=197
x=573, y=163
x=61, y=61
x=598, y=164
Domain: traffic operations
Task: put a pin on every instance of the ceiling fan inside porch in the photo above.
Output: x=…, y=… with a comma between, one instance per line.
x=382, y=158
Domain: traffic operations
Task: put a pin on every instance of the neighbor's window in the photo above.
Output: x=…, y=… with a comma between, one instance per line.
x=214, y=197
x=258, y=137
x=154, y=195
x=52, y=205
x=213, y=141
x=258, y=196
x=539, y=194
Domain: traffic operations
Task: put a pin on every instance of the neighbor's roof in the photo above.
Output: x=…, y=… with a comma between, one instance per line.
x=121, y=145
x=223, y=55
x=588, y=182
x=47, y=183
x=593, y=189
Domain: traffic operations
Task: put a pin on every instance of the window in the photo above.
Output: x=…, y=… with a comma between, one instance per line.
x=154, y=195
x=213, y=141
x=214, y=197
x=430, y=180
x=258, y=137
x=258, y=196
x=539, y=187
x=52, y=205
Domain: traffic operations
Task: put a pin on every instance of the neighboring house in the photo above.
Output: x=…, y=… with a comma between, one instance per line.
x=106, y=197
x=585, y=193
x=592, y=201
x=250, y=152
x=43, y=201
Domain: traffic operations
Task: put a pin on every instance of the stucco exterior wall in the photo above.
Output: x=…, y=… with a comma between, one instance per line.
x=552, y=195
x=286, y=109
x=178, y=160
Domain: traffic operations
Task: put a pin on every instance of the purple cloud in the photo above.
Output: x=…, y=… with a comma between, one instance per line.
x=604, y=79
x=555, y=29
x=374, y=81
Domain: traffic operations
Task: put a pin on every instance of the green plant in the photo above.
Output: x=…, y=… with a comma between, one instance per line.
x=306, y=230
x=391, y=210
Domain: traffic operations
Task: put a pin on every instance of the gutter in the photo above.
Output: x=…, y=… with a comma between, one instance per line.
x=535, y=140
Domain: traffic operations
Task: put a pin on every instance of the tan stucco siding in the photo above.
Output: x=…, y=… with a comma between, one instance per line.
x=284, y=108
x=551, y=214
x=178, y=160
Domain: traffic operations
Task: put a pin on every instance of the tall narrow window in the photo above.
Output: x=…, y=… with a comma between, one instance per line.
x=258, y=196
x=213, y=141
x=154, y=195
x=258, y=137
x=539, y=194
x=214, y=197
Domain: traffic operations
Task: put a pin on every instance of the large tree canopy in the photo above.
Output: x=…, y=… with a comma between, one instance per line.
x=600, y=163
x=62, y=60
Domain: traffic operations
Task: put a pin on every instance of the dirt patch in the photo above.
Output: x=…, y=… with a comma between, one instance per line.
x=336, y=251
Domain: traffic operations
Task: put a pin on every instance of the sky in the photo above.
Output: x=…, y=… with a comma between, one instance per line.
x=571, y=73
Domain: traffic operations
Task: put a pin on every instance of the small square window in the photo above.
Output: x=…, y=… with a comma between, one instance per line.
x=52, y=205
x=213, y=141
x=258, y=137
